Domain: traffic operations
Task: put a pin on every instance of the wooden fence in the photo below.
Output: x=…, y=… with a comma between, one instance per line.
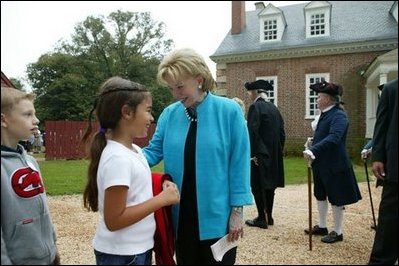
x=63, y=139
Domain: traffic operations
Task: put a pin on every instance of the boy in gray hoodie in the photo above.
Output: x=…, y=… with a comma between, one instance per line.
x=27, y=231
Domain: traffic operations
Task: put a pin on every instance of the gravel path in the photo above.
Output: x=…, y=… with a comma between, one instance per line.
x=283, y=243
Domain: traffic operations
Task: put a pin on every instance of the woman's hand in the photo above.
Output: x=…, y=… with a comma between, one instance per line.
x=236, y=224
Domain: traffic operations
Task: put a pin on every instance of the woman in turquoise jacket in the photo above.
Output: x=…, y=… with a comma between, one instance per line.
x=203, y=140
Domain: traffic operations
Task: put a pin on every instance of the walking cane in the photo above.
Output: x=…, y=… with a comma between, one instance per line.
x=310, y=202
x=374, y=226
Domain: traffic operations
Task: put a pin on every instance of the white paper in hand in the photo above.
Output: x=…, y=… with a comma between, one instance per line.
x=221, y=247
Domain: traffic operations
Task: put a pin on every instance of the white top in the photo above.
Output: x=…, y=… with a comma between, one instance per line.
x=122, y=166
x=314, y=122
x=317, y=117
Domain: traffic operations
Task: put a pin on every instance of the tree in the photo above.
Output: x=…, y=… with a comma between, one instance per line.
x=126, y=44
x=132, y=49
x=65, y=87
x=161, y=97
x=17, y=83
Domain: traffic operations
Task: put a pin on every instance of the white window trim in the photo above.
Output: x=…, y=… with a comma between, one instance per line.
x=262, y=30
x=326, y=21
x=275, y=87
x=326, y=77
x=372, y=95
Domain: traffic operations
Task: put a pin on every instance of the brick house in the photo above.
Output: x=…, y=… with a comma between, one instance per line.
x=346, y=42
x=5, y=82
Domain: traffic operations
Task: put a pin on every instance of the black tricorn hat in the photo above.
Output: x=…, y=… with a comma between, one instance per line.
x=327, y=87
x=260, y=84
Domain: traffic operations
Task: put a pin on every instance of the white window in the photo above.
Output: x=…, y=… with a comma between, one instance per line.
x=311, y=96
x=270, y=29
x=318, y=19
x=271, y=24
x=271, y=95
x=317, y=25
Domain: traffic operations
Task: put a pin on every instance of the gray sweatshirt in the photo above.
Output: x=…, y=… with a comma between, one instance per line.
x=27, y=231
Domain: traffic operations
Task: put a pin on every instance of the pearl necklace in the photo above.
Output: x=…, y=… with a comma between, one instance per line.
x=191, y=114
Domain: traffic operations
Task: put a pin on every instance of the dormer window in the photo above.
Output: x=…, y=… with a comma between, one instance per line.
x=272, y=24
x=317, y=14
x=270, y=29
x=317, y=25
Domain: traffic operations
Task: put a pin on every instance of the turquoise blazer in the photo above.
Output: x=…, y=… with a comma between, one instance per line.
x=222, y=159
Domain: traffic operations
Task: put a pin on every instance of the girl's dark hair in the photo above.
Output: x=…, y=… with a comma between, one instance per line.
x=114, y=94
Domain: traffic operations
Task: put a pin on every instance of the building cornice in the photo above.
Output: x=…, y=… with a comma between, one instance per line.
x=308, y=51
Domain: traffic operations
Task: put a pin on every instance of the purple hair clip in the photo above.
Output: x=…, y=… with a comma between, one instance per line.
x=103, y=130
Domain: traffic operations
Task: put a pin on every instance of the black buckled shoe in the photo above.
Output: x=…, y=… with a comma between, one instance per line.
x=257, y=223
x=270, y=221
x=332, y=237
x=316, y=230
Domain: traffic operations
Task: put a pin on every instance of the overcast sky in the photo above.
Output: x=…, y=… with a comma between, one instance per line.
x=31, y=29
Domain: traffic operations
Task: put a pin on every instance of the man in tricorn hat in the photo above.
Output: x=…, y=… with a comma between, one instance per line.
x=334, y=178
x=267, y=138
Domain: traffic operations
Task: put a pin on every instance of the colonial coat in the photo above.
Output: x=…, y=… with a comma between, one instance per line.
x=267, y=138
x=332, y=170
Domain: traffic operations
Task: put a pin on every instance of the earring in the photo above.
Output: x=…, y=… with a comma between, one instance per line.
x=199, y=86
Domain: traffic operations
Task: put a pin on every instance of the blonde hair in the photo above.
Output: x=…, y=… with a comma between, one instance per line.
x=241, y=103
x=185, y=63
x=10, y=97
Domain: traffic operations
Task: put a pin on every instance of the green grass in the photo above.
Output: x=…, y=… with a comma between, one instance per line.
x=69, y=176
x=66, y=177
x=296, y=172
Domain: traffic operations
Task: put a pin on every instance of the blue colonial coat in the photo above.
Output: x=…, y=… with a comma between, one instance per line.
x=332, y=169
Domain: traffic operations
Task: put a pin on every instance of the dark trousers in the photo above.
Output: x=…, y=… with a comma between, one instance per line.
x=385, y=248
x=264, y=201
x=263, y=191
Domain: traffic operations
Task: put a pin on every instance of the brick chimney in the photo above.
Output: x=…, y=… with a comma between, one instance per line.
x=259, y=5
x=237, y=16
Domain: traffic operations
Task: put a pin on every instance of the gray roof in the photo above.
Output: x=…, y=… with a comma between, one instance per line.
x=351, y=21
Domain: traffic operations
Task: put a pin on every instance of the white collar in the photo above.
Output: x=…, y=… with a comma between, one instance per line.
x=328, y=108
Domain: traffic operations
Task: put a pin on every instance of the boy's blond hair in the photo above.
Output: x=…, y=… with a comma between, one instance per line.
x=11, y=96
